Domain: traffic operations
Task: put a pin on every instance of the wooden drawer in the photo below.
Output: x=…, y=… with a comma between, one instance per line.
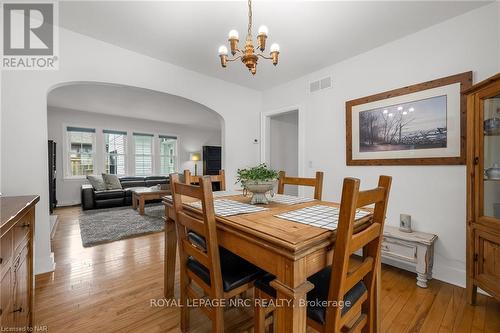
x=399, y=249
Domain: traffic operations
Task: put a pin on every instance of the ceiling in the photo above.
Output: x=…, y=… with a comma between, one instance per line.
x=312, y=35
x=133, y=103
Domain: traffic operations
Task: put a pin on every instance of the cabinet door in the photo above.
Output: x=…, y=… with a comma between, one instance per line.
x=21, y=288
x=6, y=288
x=488, y=260
x=488, y=157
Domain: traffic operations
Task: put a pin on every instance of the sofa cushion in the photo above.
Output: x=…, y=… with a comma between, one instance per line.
x=109, y=194
x=112, y=181
x=155, y=180
x=97, y=182
x=128, y=182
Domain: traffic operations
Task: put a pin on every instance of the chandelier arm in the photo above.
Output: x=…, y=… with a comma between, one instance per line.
x=263, y=56
x=234, y=59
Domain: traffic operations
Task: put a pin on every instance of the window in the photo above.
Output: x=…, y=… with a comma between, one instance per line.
x=115, y=149
x=80, y=148
x=168, y=154
x=143, y=154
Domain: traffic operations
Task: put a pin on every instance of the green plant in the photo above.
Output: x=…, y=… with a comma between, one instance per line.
x=258, y=173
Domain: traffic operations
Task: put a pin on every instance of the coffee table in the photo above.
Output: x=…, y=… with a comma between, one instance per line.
x=143, y=194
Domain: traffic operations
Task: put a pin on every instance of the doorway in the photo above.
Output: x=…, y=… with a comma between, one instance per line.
x=281, y=143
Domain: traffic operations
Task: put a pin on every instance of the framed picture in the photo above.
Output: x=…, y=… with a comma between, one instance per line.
x=422, y=124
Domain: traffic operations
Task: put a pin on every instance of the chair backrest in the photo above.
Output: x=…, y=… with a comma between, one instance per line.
x=220, y=178
x=343, y=277
x=316, y=182
x=203, y=224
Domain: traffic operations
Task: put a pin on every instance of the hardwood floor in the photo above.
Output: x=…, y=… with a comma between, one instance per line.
x=109, y=288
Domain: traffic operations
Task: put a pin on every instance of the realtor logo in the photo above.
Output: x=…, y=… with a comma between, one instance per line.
x=29, y=36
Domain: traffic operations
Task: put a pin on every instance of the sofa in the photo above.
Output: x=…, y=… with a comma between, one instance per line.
x=92, y=199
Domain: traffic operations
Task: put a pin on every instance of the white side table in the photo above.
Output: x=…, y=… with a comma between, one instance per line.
x=410, y=251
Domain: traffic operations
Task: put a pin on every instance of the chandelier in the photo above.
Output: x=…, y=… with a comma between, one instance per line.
x=248, y=56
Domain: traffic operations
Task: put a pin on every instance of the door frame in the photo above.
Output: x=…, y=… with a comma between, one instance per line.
x=265, y=121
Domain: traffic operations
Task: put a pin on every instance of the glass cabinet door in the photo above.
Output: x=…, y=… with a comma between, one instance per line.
x=491, y=157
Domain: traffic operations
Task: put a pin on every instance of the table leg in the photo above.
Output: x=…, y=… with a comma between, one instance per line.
x=134, y=200
x=141, y=205
x=291, y=314
x=170, y=256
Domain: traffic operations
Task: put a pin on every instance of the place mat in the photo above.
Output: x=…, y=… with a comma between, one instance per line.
x=289, y=199
x=325, y=217
x=225, y=207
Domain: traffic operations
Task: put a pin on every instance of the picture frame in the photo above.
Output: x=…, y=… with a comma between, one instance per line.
x=421, y=124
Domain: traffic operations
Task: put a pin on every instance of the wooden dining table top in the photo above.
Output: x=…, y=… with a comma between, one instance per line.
x=291, y=236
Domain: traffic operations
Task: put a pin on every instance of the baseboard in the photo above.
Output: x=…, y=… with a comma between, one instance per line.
x=68, y=203
x=54, y=220
x=45, y=265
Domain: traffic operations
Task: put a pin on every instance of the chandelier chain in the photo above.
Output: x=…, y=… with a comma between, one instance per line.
x=249, y=32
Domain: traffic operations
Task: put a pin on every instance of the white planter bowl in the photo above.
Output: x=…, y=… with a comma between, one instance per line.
x=259, y=190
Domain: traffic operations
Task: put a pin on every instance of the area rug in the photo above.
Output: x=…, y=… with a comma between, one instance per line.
x=111, y=224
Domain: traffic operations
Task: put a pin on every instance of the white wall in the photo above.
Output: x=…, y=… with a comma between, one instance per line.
x=433, y=195
x=24, y=115
x=284, y=145
x=189, y=139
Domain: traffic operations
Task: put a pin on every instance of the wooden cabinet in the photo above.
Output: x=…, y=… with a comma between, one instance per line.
x=483, y=188
x=16, y=262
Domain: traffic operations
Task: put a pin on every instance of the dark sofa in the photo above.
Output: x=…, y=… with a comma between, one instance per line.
x=92, y=199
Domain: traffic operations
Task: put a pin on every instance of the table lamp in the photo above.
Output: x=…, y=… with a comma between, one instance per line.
x=195, y=157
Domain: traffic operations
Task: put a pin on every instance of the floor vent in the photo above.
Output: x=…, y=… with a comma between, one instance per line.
x=321, y=84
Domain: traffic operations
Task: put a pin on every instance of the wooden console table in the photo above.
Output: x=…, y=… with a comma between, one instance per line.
x=415, y=249
x=17, y=224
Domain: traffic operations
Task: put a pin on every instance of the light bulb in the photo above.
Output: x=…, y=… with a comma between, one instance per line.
x=405, y=113
x=275, y=48
x=222, y=50
x=400, y=108
x=386, y=111
x=233, y=34
x=412, y=109
x=263, y=30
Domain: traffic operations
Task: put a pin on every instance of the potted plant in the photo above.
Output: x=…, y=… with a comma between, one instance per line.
x=257, y=180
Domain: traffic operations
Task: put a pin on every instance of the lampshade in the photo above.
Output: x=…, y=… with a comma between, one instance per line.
x=195, y=156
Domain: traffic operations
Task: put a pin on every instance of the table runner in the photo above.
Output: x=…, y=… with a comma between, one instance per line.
x=321, y=216
x=289, y=199
x=225, y=207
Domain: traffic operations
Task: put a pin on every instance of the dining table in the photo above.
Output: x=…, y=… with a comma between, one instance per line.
x=291, y=251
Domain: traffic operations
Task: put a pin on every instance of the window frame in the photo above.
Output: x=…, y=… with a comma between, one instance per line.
x=152, y=136
x=175, y=156
x=67, y=151
x=125, y=154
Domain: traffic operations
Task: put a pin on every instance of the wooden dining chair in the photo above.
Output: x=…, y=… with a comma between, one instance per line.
x=219, y=273
x=350, y=278
x=316, y=182
x=220, y=178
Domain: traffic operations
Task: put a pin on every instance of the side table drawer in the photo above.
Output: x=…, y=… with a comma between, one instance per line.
x=399, y=250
